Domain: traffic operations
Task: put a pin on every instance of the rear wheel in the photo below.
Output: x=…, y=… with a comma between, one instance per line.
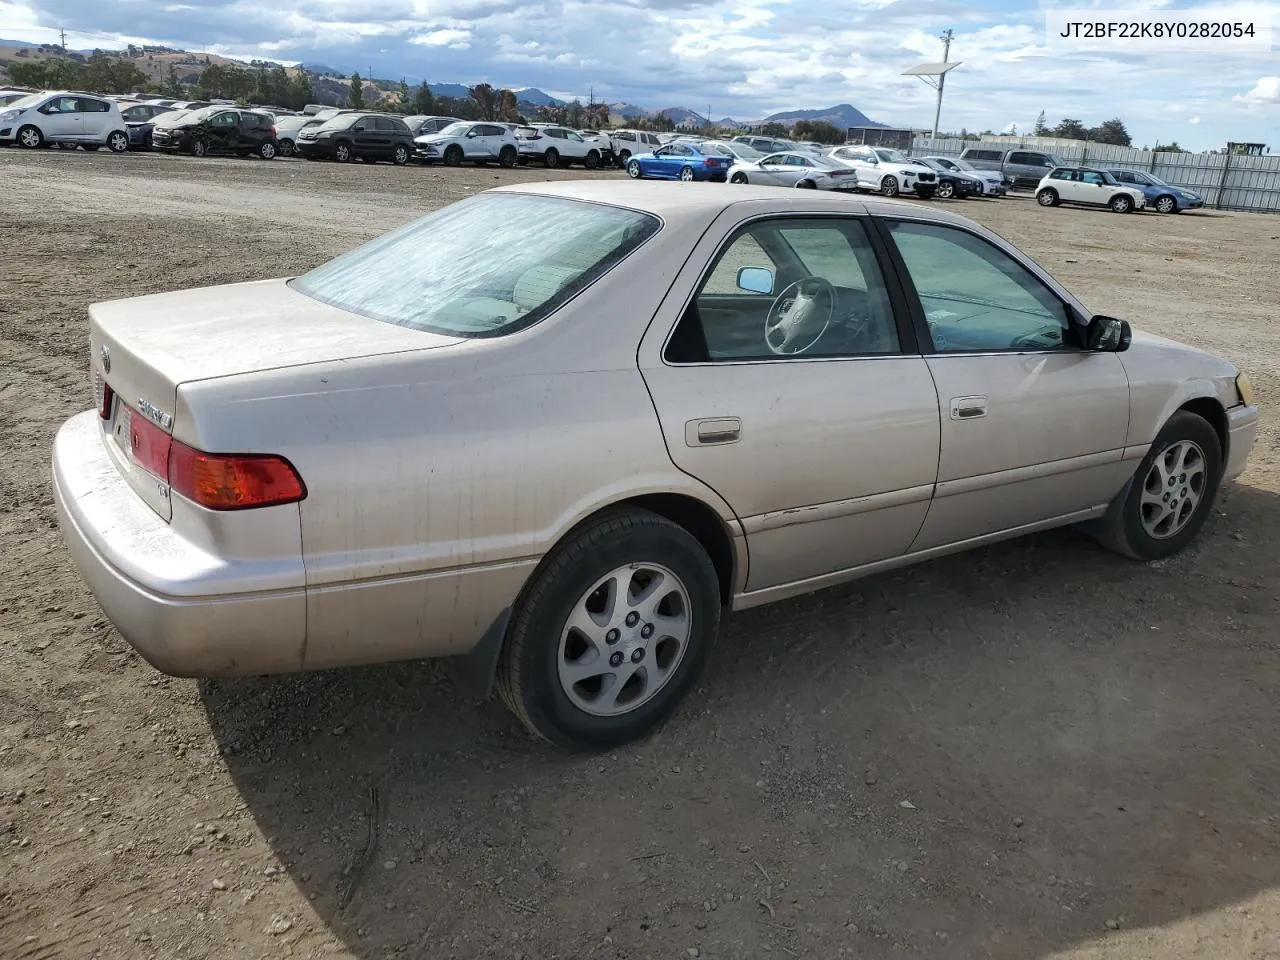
x=118, y=141
x=612, y=632
x=738, y=178
x=624, y=157
x=1121, y=203
x=507, y=157
x=592, y=160
x=30, y=137
x=267, y=150
x=1170, y=496
x=806, y=185
x=400, y=155
x=1048, y=197
x=552, y=157
x=686, y=174
x=889, y=186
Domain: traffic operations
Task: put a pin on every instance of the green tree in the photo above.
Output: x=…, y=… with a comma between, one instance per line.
x=819, y=131
x=1168, y=148
x=355, y=95
x=1070, y=129
x=107, y=73
x=172, y=86
x=1041, y=128
x=404, y=98
x=1113, y=132
x=486, y=101
x=508, y=107
x=424, y=103
x=774, y=130
x=34, y=73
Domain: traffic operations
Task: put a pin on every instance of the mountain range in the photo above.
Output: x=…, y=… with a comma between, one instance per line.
x=842, y=115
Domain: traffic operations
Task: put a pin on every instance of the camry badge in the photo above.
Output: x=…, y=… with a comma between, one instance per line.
x=155, y=414
x=106, y=359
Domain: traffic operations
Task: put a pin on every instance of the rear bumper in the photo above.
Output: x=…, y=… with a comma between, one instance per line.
x=157, y=587
x=1242, y=432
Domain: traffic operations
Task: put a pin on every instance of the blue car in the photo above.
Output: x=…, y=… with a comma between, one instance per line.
x=1162, y=197
x=140, y=121
x=679, y=161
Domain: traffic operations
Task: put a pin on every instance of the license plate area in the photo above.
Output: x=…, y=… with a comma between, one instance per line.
x=122, y=427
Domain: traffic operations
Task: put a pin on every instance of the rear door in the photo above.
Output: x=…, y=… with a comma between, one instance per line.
x=820, y=428
x=1033, y=426
x=95, y=119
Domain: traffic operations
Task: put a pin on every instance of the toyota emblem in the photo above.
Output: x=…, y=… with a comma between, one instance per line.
x=106, y=359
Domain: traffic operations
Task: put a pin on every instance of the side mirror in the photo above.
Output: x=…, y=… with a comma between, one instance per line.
x=755, y=279
x=1109, y=335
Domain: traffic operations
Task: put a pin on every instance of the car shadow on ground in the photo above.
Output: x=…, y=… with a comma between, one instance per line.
x=999, y=754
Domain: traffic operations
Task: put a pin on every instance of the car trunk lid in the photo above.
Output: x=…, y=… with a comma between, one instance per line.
x=143, y=349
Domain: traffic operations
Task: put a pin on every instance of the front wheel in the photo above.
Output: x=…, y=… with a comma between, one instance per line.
x=889, y=187
x=453, y=156
x=946, y=190
x=286, y=148
x=1166, y=204
x=199, y=148
x=1121, y=204
x=342, y=152
x=634, y=171
x=1170, y=496
x=508, y=157
x=624, y=157
x=30, y=137
x=592, y=160
x=612, y=632
x=1047, y=198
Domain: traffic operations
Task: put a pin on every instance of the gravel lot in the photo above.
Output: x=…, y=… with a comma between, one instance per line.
x=1034, y=750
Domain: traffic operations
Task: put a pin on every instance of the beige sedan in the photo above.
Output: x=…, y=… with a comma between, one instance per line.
x=555, y=431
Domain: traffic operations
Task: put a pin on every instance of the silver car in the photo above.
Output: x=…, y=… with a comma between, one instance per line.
x=795, y=169
x=433, y=446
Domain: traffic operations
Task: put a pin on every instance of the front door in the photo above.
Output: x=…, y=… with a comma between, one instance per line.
x=224, y=130
x=783, y=379
x=62, y=119
x=1033, y=426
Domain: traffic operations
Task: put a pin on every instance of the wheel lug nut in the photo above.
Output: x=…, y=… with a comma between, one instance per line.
x=612, y=636
x=637, y=654
x=633, y=618
x=615, y=658
x=646, y=631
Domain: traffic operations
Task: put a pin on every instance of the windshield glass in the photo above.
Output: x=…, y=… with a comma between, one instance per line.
x=181, y=116
x=525, y=255
x=455, y=130
x=292, y=123
x=30, y=100
x=963, y=165
x=890, y=156
x=340, y=122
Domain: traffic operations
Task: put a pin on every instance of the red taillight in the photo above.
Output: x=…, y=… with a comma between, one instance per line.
x=216, y=481
x=228, y=481
x=273, y=131
x=104, y=399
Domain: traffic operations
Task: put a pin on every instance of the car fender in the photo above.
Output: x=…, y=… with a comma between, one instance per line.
x=1163, y=377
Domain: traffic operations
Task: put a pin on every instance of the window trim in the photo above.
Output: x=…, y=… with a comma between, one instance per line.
x=923, y=334
x=903, y=319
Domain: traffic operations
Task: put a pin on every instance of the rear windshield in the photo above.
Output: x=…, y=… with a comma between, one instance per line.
x=525, y=256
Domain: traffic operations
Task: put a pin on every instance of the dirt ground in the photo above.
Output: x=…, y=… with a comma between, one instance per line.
x=1037, y=750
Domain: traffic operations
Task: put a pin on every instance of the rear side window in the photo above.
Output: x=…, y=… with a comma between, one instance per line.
x=88, y=105
x=982, y=154
x=526, y=256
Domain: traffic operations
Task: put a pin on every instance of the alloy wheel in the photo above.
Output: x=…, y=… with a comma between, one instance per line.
x=1173, y=489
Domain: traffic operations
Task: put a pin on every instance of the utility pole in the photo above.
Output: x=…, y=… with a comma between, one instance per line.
x=946, y=39
x=63, y=34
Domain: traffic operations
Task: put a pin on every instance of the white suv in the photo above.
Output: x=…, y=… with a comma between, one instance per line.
x=555, y=145
x=628, y=142
x=479, y=142
x=887, y=171
x=64, y=117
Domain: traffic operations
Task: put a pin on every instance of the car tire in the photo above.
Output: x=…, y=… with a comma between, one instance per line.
x=806, y=185
x=342, y=152
x=738, y=178
x=507, y=157
x=118, y=141
x=1121, y=204
x=1048, y=197
x=945, y=190
x=1165, y=204
x=400, y=155
x=551, y=158
x=91, y=147
x=634, y=171
x=624, y=158
x=30, y=137
x=626, y=550
x=199, y=148
x=592, y=160
x=286, y=148
x=889, y=186
x=453, y=156
x=1134, y=525
x=686, y=174
x=267, y=150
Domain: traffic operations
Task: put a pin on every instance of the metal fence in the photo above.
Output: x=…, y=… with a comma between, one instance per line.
x=1226, y=181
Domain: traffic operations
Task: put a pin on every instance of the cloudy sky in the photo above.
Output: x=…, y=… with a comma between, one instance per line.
x=744, y=58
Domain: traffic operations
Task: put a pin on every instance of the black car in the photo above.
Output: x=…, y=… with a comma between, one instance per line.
x=952, y=183
x=350, y=136
x=217, y=130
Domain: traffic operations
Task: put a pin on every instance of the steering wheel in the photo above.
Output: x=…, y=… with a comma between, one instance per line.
x=795, y=321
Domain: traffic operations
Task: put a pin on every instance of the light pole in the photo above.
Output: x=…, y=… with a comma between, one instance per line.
x=935, y=75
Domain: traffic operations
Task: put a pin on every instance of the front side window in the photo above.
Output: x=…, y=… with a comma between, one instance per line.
x=526, y=255
x=60, y=105
x=1093, y=177
x=789, y=288
x=975, y=297
x=225, y=120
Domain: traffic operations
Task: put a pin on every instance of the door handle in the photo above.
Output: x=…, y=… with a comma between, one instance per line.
x=705, y=433
x=968, y=408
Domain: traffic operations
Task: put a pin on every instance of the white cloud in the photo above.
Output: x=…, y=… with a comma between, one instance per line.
x=1193, y=121
x=1266, y=90
x=448, y=37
